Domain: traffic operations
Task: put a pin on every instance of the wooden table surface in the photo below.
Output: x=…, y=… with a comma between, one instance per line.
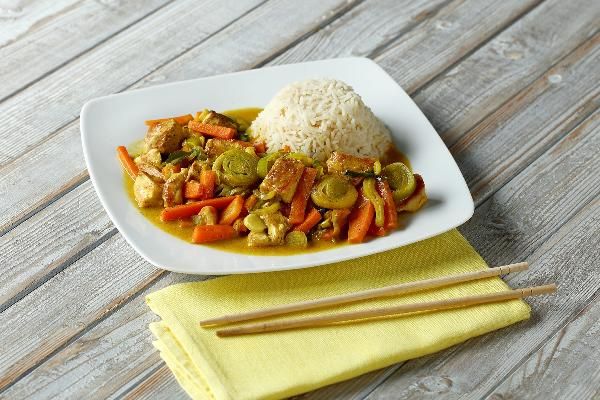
x=511, y=86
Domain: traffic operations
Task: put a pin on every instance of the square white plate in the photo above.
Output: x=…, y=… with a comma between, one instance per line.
x=114, y=120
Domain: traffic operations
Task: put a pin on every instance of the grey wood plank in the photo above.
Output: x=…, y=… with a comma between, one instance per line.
x=160, y=385
x=565, y=367
x=51, y=103
x=47, y=43
x=98, y=367
x=496, y=158
x=68, y=146
x=19, y=18
x=454, y=33
x=524, y=214
x=496, y=72
x=575, y=155
x=28, y=256
x=68, y=304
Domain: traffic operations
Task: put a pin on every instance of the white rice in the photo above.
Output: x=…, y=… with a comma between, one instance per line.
x=318, y=117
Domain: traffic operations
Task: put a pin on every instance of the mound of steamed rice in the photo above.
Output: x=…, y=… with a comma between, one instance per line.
x=318, y=117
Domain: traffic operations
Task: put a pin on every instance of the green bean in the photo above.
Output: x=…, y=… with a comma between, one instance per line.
x=302, y=157
x=266, y=162
x=268, y=209
x=370, y=193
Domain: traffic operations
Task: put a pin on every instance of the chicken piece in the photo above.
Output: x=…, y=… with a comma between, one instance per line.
x=152, y=157
x=277, y=227
x=152, y=172
x=258, y=239
x=147, y=192
x=172, y=193
x=214, y=118
x=339, y=163
x=194, y=171
x=216, y=147
x=339, y=218
x=283, y=178
x=165, y=136
x=206, y=216
x=170, y=169
x=416, y=200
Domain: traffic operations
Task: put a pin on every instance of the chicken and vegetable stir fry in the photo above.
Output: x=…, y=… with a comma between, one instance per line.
x=203, y=171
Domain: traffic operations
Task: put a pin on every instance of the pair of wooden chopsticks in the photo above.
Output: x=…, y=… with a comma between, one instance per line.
x=388, y=291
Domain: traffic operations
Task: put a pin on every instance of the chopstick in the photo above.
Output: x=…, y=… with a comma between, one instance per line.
x=435, y=305
x=403, y=288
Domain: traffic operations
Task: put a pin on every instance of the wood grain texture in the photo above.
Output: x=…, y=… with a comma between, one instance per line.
x=550, y=103
x=48, y=43
x=497, y=71
x=66, y=305
x=51, y=103
x=506, y=228
x=14, y=370
x=452, y=34
x=367, y=29
x=104, y=362
x=30, y=255
x=495, y=149
x=261, y=35
x=564, y=367
x=18, y=17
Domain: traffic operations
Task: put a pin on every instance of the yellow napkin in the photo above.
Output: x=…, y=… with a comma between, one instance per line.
x=282, y=364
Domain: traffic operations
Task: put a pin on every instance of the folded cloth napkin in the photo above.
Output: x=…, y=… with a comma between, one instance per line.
x=281, y=364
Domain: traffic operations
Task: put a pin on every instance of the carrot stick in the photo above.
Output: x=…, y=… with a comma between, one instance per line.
x=360, y=220
x=391, y=215
x=327, y=235
x=311, y=220
x=212, y=233
x=300, y=199
x=127, y=162
x=181, y=120
x=233, y=210
x=208, y=180
x=190, y=209
x=376, y=230
x=193, y=190
x=260, y=147
x=222, y=132
x=250, y=202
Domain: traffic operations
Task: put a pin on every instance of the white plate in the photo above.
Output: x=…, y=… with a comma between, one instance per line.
x=115, y=120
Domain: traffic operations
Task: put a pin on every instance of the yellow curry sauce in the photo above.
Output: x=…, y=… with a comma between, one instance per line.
x=239, y=245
